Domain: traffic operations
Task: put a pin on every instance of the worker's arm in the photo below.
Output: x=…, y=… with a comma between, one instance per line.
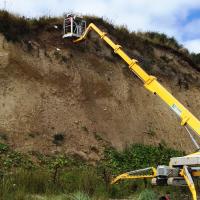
x=149, y=81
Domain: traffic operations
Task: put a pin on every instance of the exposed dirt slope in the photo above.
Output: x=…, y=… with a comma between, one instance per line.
x=80, y=98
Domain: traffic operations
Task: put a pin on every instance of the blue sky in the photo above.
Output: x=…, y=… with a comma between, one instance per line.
x=178, y=18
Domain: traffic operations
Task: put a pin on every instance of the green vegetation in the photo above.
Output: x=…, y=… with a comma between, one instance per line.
x=196, y=58
x=16, y=27
x=64, y=177
x=148, y=195
x=161, y=38
x=13, y=27
x=11, y=159
x=138, y=156
x=80, y=196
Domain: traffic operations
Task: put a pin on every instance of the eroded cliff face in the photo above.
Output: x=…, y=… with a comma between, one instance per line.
x=56, y=97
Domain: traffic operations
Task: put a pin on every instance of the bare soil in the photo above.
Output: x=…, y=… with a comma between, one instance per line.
x=88, y=96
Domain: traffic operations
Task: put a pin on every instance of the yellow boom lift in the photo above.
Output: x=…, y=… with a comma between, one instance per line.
x=181, y=170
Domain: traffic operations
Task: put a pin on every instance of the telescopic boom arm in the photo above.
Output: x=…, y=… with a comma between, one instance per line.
x=150, y=82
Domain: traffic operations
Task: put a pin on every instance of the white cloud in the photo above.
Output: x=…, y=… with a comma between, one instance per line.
x=193, y=45
x=154, y=15
x=191, y=29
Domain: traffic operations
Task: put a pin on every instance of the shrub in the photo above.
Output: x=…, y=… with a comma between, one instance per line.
x=13, y=27
x=79, y=196
x=138, y=156
x=161, y=38
x=147, y=195
x=101, y=22
x=58, y=138
x=16, y=27
x=84, y=179
x=42, y=22
x=196, y=58
x=3, y=147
